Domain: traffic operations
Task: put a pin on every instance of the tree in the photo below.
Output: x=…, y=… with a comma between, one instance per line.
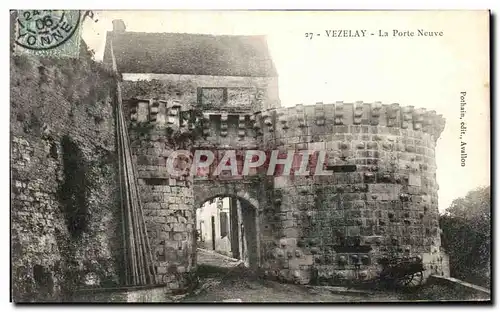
x=466, y=236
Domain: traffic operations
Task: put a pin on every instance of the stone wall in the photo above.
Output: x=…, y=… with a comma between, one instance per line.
x=168, y=207
x=184, y=88
x=379, y=203
x=64, y=199
x=174, y=121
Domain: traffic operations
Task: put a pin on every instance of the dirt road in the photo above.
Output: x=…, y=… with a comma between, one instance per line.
x=224, y=279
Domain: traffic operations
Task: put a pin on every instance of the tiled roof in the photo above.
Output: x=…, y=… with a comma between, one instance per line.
x=190, y=54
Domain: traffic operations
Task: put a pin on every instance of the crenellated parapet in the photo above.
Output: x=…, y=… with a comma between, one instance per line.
x=318, y=118
x=321, y=115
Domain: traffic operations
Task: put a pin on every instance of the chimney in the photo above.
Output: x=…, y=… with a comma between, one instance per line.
x=118, y=26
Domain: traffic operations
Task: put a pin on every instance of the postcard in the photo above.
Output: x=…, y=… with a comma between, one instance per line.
x=250, y=156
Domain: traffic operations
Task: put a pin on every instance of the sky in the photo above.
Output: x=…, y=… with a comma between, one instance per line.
x=426, y=72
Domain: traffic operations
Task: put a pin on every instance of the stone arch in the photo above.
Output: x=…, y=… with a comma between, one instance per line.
x=245, y=193
x=205, y=191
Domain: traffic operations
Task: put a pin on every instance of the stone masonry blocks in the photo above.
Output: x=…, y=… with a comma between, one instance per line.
x=380, y=202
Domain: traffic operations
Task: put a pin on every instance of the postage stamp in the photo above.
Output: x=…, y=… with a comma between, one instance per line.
x=48, y=32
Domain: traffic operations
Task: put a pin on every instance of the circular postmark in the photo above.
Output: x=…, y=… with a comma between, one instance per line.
x=45, y=29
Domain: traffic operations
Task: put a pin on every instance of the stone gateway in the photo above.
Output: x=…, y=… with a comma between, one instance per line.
x=94, y=205
x=380, y=203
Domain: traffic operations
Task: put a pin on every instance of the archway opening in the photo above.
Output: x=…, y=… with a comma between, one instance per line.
x=227, y=225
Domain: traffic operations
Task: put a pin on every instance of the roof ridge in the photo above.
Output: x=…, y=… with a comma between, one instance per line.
x=179, y=33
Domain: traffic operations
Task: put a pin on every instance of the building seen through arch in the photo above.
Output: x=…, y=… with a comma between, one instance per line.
x=227, y=226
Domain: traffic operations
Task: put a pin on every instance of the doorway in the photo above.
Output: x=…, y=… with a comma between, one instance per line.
x=213, y=233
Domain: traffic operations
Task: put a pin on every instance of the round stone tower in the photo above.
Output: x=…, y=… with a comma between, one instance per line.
x=379, y=203
x=375, y=202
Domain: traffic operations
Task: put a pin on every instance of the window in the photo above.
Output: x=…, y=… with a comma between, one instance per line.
x=224, y=224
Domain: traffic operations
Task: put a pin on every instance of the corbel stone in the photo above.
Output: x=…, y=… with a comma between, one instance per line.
x=241, y=125
x=173, y=113
x=256, y=121
x=223, y=125
x=283, y=118
x=154, y=108
x=339, y=113
x=375, y=116
x=206, y=124
x=392, y=115
x=418, y=118
x=266, y=116
x=407, y=113
x=299, y=108
x=358, y=112
x=319, y=112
